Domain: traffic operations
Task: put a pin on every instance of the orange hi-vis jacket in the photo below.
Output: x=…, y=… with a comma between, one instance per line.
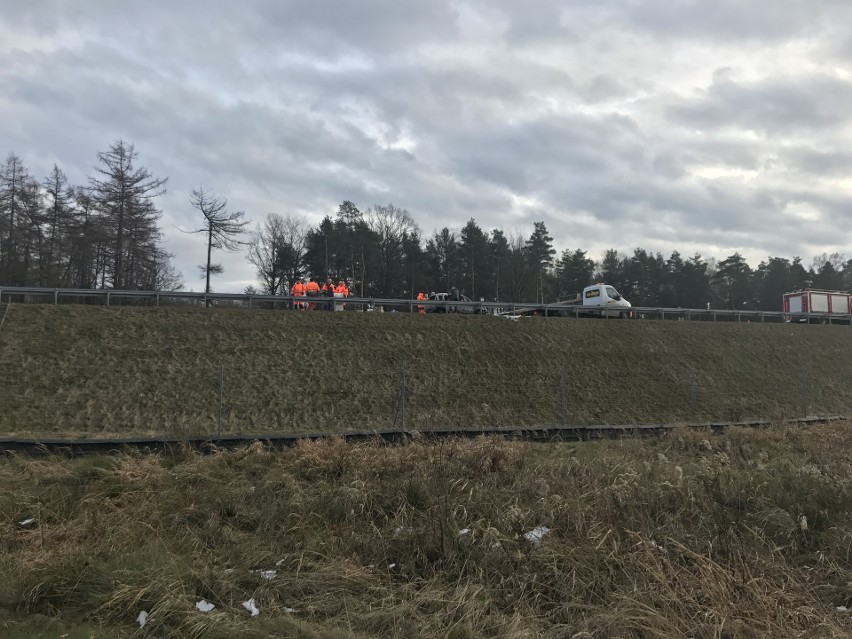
x=312, y=287
x=420, y=297
x=341, y=288
x=298, y=290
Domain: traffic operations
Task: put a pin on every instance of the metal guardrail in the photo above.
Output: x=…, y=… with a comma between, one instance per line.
x=55, y=295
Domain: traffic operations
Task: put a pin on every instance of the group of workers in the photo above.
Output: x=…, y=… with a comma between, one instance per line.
x=311, y=289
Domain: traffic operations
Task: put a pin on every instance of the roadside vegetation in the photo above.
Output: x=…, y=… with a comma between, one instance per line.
x=745, y=534
x=95, y=371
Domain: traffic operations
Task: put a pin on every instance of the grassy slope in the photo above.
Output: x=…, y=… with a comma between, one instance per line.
x=746, y=534
x=98, y=371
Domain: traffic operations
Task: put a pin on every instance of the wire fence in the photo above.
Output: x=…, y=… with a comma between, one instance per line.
x=174, y=373
x=234, y=399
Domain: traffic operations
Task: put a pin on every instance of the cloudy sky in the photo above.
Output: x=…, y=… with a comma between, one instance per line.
x=701, y=126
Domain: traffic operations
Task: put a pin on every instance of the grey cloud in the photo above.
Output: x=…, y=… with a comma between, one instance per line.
x=734, y=20
x=293, y=107
x=772, y=106
x=817, y=162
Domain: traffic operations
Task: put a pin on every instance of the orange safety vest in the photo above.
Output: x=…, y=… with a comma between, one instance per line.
x=298, y=290
x=341, y=288
x=312, y=287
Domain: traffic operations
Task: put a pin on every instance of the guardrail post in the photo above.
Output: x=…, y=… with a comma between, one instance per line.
x=563, y=403
x=107, y=298
x=158, y=300
x=221, y=396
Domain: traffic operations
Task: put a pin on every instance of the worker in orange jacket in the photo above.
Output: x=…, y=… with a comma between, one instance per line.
x=298, y=290
x=421, y=309
x=340, y=291
x=312, y=289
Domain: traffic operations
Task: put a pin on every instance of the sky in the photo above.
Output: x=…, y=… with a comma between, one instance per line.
x=703, y=127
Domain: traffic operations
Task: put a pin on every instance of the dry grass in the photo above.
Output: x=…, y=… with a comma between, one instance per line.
x=80, y=370
x=746, y=534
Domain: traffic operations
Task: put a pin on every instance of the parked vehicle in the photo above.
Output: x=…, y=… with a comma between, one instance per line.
x=463, y=305
x=815, y=306
x=597, y=300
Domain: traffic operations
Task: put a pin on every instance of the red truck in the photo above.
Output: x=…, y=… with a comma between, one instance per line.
x=822, y=307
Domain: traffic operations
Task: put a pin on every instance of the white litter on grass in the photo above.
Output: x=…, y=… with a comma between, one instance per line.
x=27, y=522
x=289, y=611
x=266, y=575
x=280, y=563
x=464, y=531
x=842, y=609
x=653, y=544
x=391, y=566
x=228, y=571
x=251, y=606
x=803, y=523
x=204, y=606
x=536, y=534
x=142, y=619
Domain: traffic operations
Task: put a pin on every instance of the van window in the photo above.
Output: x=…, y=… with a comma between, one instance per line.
x=593, y=292
x=611, y=293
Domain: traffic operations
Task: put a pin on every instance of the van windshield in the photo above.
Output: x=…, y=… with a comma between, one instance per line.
x=611, y=293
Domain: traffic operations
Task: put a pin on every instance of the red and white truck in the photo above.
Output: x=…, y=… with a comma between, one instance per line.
x=818, y=306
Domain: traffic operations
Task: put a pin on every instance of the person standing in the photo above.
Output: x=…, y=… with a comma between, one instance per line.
x=421, y=309
x=454, y=297
x=312, y=289
x=328, y=289
x=341, y=292
x=298, y=290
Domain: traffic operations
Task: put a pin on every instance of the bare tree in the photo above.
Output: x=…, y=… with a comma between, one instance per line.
x=277, y=251
x=390, y=226
x=221, y=225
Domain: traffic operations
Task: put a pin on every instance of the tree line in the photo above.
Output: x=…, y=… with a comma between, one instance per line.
x=106, y=234
x=381, y=252
x=101, y=234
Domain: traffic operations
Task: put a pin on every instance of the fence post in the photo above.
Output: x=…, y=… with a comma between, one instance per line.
x=563, y=405
x=158, y=300
x=221, y=396
x=803, y=391
x=402, y=400
x=693, y=393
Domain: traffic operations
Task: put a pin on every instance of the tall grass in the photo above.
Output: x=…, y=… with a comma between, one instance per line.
x=746, y=534
x=93, y=371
